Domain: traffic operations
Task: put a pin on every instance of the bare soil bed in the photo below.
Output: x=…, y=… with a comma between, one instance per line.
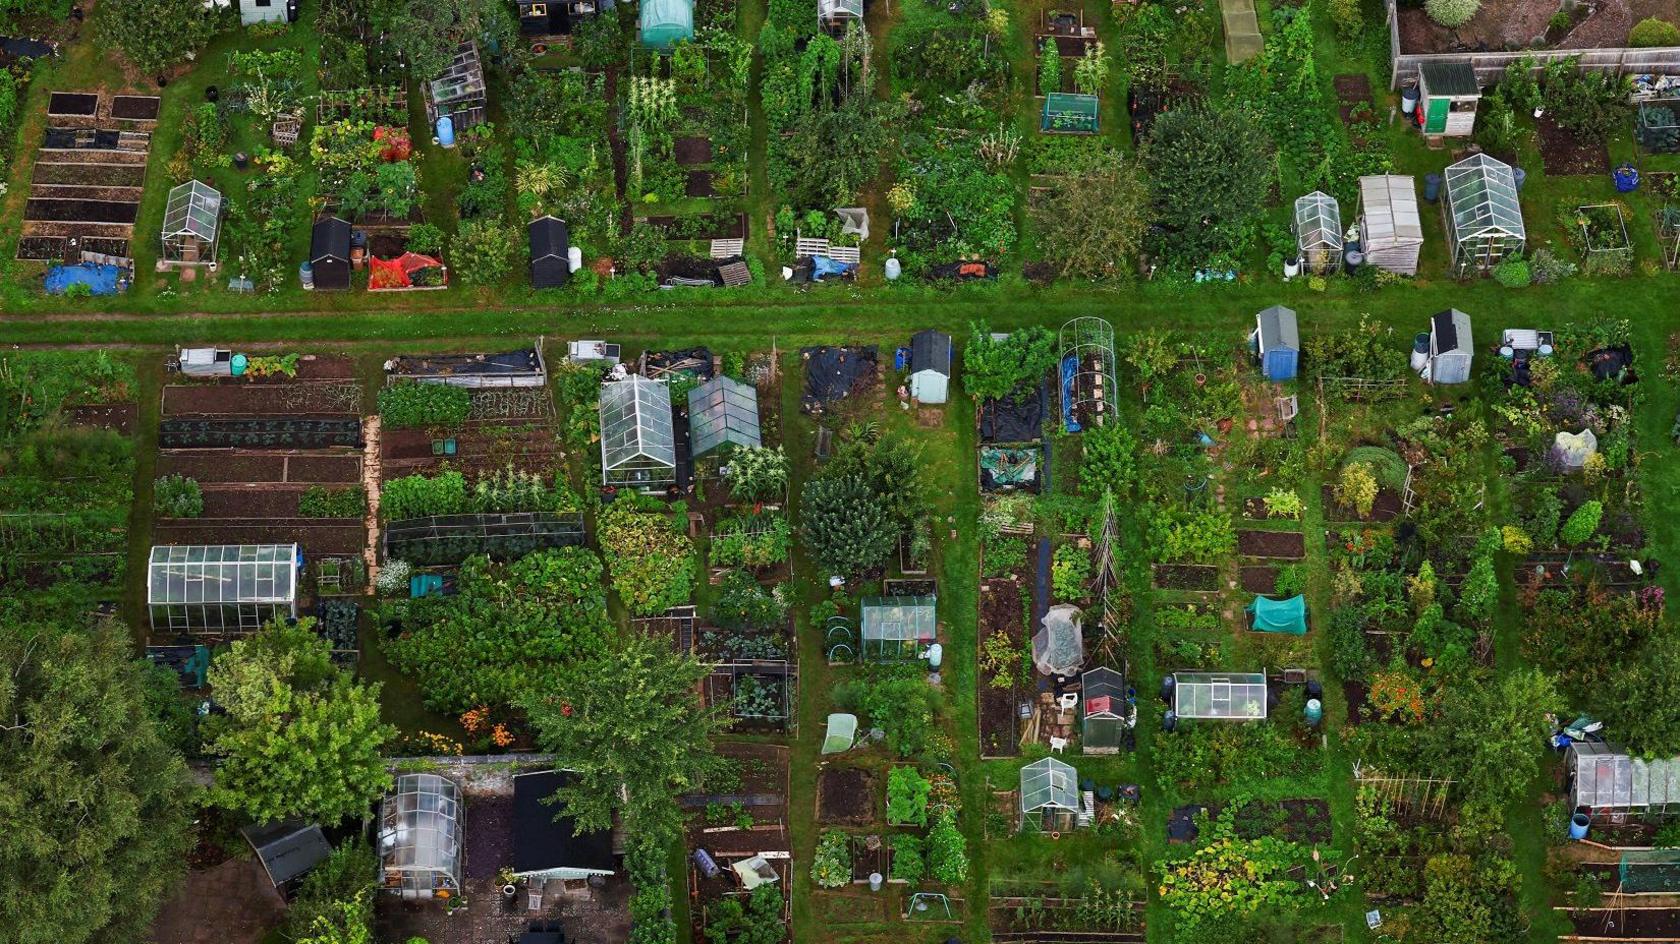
x=1387, y=507
x=268, y=399
x=846, y=796
x=255, y=501
x=136, y=107
x=1258, y=579
x=1283, y=545
x=1564, y=153
x=72, y=103
x=1186, y=577
x=314, y=537
x=223, y=465
x=699, y=184
x=120, y=417
x=109, y=175
x=764, y=777
x=81, y=211
x=1351, y=90
x=1002, y=609
x=693, y=151
x=1627, y=924
x=477, y=448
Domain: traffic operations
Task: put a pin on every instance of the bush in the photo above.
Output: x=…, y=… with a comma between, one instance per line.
x=1349, y=18
x=831, y=867
x=1513, y=273
x=1654, y=32
x=176, y=496
x=426, y=239
x=1451, y=13
x=393, y=578
x=319, y=501
x=1582, y=524
x=483, y=251
x=1357, y=488
x=423, y=404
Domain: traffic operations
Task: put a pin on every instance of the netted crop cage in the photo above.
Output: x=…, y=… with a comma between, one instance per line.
x=1648, y=871
x=451, y=539
x=638, y=440
x=1087, y=373
x=221, y=588
x=1656, y=126
x=1318, y=231
x=420, y=837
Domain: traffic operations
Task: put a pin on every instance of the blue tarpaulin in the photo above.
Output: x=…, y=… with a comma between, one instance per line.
x=1069, y=365
x=102, y=279
x=823, y=266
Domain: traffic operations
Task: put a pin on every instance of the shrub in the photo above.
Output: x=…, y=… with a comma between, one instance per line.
x=1109, y=462
x=319, y=501
x=1582, y=524
x=423, y=404
x=176, y=496
x=1513, y=273
x=994, y=368
x=1357, y=487
x=1451, y=13
x=1349, y=18
x=483, y=251
x=393, y=578
x=845, y=524
x=426, y=239
x=1654, y=32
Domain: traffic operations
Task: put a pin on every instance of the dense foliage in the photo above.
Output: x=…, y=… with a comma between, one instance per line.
x=423, y=404
x=1206, y=167
x=649, y=555
x=994, y=368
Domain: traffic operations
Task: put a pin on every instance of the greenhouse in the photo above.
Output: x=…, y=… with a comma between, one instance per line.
x=1318, y=232
x=895, y=629
x=1049, y=796
x=1390, y=230
x=420, y=838
x=835, y=14
x=638, y=444
x=1237, y=696
x=1069, y=113
x=1482, y=213
x=665, y=23
x=723, y=412
x=191, y=220
x=221, y=588
x=1058, y=648
x=1107, y=709
x=1610, y=782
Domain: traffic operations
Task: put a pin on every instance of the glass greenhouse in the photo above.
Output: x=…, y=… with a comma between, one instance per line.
x=638, y=444
x=220, y=588
x=1483, y=215
x=1610, y=781
x=1049, y=795
x=420, y=837
x=1220, y=695
x=1318, y=231
x=896, y=628
x=723, y=412
x=191, y=220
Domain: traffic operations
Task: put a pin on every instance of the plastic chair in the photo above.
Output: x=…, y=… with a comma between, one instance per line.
x=1057, y=745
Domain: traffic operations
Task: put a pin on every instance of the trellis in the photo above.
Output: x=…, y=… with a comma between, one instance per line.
x=1417, y=795
x=1668, y=234
x=380, y=104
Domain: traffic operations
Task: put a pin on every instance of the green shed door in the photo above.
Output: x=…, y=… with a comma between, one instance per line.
x=1435, y=122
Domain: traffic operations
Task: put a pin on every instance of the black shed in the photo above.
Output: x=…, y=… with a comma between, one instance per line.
x=546, y=842
x=329, y=253
x=550, y=243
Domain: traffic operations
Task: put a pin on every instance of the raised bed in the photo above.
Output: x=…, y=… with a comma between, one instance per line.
x=1387, y=507
x=1280, y=545
x=94, y=175
x=315, y=538
x=72, y=104
x=533, y=447
x=1626, y=924
x=1258, y=579
x=256, y=399
x=136, y=107
x=693, y=151
x=225, y=466
x=1566, y=153
x=80, y=211
x=119, y=417
x=846, y=796
x=291, y=431
x=1002, y=608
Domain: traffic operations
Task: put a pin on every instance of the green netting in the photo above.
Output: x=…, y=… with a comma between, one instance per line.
x=664, y=23
x=1009, y=466
x=1279, y=616
x=1649, y=870
x=1069, y=111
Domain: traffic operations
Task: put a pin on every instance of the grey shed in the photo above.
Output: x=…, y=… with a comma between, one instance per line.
x=287, y=850
x=1450, y=348
x=1277, y=342
x=1390, y=230
x=930, y=366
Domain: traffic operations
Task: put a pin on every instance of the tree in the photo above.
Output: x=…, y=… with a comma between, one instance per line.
x=96, y=805
x=994, y=368
x=1092, y=222
x=627, y=722
x=845, y=524
x=1641, y=698
x=427, y=34
x=1491, y=735
x=1210, y=169
x=157, y=34
x=301, y=737
x=1582, y=524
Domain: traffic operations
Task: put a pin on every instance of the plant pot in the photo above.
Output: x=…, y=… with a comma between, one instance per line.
x=1291, y=268
x=508, y=891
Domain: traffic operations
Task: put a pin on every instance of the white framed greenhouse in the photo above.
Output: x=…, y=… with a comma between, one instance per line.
x=897, y=629
x=1223, y=696
x=723, y=412
x=212, y=589
x=192, y=220
x=1611, y=782
x=420, y=838
x=1318, y=231
x=1482, y=212
x=1049, y=796
x=835, y=14
x=638, y=442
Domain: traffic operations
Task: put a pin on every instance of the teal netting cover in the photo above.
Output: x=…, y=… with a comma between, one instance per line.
x=1649, y=870
x=1279, y=616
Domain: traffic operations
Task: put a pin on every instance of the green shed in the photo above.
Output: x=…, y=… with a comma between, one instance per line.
x=1069, y=113
x=665, y=23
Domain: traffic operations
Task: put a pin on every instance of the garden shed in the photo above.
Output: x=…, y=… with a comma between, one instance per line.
x=1450, y=348
x=1069, y=113
x=217, y=589
x=638, y=441
x=1318, y=232
x=1482, y=213
x=287, y=850
x=930, y=365
x=1049, y=795
x=1277, y=343
x=1058, y=648
x=1612, y=783
x=1107, y=711
x=192, y=217
x=329, y=254
x=723, y=412
x=1225, y=696
x=420, y=838
x=547, y=843
x=550, y=248
x=896, y=629
x=1279, y=616
x=1390, y=230
x=459, y=93
x=833, y=15
x=665, y=23
x=1447, y=96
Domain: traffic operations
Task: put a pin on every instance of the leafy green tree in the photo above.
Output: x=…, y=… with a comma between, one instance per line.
x=344, y=922
x=427, y=34
x=1582, y=524
x=845, y=524
x=1491, y=735
x=157, y=34
x=626, y=720
x=96, y=805
x=1208, y=171
x=300, y=737
x=1110, y=460
x=1091, y=224
x=994, y=368
x=1641, y=699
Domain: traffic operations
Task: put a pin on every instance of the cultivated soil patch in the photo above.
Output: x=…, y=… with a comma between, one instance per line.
x=1564, y=153
x=1283, y=545
x=315, y=538
x=478, y=448
x=846, y=796
x=1386, y=508
x=136, y=107
x=1628, y=924
x=1258, y=579
x=225, y=465
x=215, y=399
x=1351, y=90
x=1186, y=577
x=692, y=151
x=1513, y=24
x=699, y=184
x=120, y=417
x=1002, y=609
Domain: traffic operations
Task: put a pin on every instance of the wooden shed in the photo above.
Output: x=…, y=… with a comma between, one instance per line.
x=1447, y=97
x=1390, y=230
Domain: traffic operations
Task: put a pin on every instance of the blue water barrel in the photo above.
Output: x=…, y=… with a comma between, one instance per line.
x=306, y=275
x=237, y=364
x=1578, y=826
x=446, y=131
x=1519, y=175
x=1431, y=187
